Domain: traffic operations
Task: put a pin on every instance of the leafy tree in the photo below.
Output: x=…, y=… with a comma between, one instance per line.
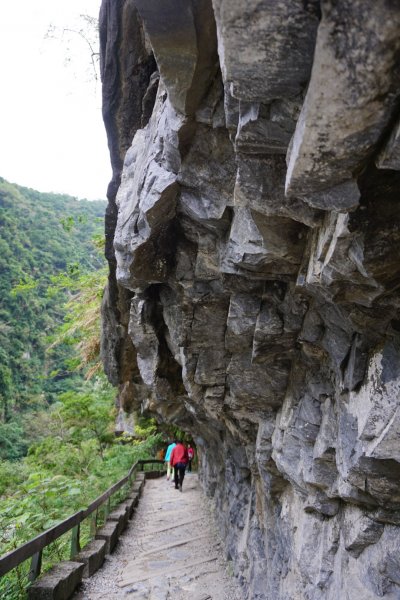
x=82, y=320
x=12, y=440
x=89, y=419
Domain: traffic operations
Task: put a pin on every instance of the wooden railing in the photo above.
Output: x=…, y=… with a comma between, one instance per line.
x=34, y=548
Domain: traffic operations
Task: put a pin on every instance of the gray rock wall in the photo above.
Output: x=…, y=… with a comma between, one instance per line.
x=254, y=248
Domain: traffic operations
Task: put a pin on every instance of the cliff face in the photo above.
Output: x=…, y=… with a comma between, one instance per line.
x=254, y=248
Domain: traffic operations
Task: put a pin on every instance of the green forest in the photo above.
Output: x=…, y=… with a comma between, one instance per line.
x=43, y=239
x=58, y=450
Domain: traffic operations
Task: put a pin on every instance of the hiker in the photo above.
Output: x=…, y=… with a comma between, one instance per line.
x=170, y=468
x=190, y=450
x=179, y=460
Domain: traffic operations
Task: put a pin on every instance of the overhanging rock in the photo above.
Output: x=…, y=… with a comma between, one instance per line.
x=255, y=273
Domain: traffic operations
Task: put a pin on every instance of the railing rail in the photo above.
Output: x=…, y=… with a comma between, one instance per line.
x=34, y=547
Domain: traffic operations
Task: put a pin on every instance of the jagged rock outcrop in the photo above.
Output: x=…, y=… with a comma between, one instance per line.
x=255, y=271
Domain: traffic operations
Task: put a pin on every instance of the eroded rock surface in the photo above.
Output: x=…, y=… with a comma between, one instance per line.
x=254, y=245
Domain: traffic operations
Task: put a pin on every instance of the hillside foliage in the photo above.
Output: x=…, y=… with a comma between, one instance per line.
x=45, y=245
x=64, y=471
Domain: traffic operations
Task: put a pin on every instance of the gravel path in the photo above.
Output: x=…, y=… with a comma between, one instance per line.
x=169, y=551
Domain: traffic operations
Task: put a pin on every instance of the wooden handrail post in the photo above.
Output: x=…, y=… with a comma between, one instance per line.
x=75, y=543
x=107, y=508
x=36, y=565
x=93, y=523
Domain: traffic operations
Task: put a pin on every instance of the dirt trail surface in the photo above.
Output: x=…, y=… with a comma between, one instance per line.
x=169, y=551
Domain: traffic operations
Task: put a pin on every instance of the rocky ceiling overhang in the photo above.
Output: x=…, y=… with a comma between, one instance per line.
x=254, y=247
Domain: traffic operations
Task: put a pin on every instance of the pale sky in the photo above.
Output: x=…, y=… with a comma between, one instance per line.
x=52, y=136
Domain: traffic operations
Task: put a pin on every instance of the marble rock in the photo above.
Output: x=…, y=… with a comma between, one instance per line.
x=342, y=117
x=265, y=48
x=359, y=531
x=253, y=238
x=183, y=38
x=389, y=157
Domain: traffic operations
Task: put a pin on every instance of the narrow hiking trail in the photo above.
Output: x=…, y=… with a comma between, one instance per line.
x=169, y=551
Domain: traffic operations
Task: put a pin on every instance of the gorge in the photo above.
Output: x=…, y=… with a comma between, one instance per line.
x=252, y=233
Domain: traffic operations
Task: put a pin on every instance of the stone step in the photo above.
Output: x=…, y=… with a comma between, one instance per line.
x=109, y=533
x=137, y=486
x=92, y=556
x=130, y=504
x=121, y=516
x=59, y=583
x=154, y=474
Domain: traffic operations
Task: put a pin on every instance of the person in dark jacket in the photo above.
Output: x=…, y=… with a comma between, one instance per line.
x=179, y=459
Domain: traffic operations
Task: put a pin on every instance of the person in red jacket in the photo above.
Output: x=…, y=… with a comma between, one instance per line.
x=190, y=450
x=179, y=459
